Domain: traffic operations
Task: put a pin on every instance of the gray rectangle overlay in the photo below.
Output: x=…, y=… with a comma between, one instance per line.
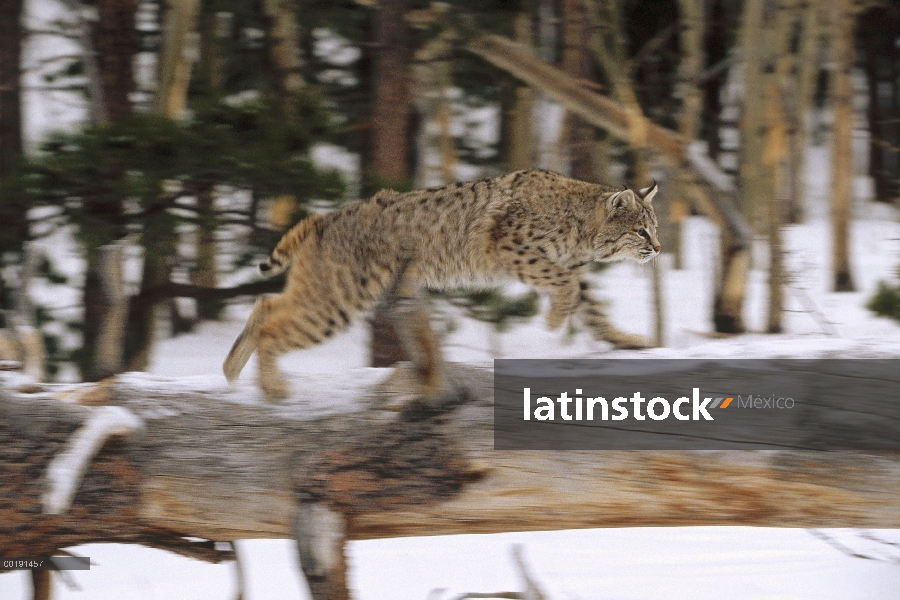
x=697, y=404
x=43, y=563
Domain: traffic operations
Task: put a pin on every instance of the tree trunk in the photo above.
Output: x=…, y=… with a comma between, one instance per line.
x=693, y=27
x=751, y=175
x=284, y=51
x=112, y=49
x=801, y=103
x=11, y=146
x=432, y=86
x=115, y=41
x=215, y=31
x=776, y=84
x=390, y=142
x=576, y=63
x=96, y=104
x=109, y=346
x=844, y=23
x=206, y=272
x=392, y=102
x=159, y=242
x=518, y=106
x=10, y=85
x=180, y=49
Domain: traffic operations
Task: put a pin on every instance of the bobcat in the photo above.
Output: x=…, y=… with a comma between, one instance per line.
x=537, y=226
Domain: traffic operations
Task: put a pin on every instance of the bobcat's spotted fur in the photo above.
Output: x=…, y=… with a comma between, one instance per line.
x=537, y=226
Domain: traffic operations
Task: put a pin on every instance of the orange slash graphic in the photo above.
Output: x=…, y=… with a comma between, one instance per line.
x=726, y=403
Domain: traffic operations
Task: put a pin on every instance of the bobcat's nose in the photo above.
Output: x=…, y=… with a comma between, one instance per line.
x=657, y=248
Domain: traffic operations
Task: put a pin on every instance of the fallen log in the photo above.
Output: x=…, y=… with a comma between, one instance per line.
x=354, y=456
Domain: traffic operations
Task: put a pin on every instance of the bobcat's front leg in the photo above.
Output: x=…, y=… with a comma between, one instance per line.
x=594, y=316
x=563, y=302
x=535, y=268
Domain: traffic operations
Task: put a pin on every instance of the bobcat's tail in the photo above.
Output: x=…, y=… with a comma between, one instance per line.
x=245, y=345
x=286, y=249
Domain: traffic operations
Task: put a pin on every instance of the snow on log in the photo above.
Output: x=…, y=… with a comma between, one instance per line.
x=198, y=458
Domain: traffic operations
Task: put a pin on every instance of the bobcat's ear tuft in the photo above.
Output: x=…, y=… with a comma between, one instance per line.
x=647, y=193
x=619, y=200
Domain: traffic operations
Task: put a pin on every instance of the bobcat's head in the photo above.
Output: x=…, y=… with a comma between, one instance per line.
x=629, y=230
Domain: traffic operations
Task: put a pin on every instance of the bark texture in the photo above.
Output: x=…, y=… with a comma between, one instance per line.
x=10, y=84
x=115, y=41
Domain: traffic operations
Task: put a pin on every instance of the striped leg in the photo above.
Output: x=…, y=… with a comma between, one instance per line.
x=593, y=314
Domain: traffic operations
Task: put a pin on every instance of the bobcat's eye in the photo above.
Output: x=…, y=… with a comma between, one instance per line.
x=646, y=235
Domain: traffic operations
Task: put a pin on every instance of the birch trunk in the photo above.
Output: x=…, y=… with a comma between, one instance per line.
x=808, y=65
x=520, y=146
x=844, y=22
x=180, y=50
x=284, y=51
x=752, y=178
x=693, y=26
x=776, y=79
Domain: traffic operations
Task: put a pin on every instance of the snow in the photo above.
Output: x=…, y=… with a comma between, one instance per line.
x=68, y=467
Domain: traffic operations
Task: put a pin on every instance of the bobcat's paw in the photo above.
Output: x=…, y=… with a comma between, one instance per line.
x=630, y=341
x=275, y=389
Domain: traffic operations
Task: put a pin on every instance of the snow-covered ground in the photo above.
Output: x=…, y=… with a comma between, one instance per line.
x=694, y=563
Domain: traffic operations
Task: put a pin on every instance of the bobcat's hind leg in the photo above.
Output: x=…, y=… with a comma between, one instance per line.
x=245, y=344
x=300, y=319
x=594, y=316
x=408, y=314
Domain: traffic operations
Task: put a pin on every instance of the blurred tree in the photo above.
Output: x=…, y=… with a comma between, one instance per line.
x=800, y=100
x=283, y=39
x=392, y=107
x=13, y=213
x=10, y=85
x=880, y=54
x=844, y=29
x=156, y=167
x=517, y=106
x=751, y=176
x=777, y=74
x=692, y=25
x=179, y=50
x=391, y=122
x=115, y=42
x=575, y=61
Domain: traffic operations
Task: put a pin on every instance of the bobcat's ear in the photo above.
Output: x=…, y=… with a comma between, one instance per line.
x=647, y=193
x=619, y=200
